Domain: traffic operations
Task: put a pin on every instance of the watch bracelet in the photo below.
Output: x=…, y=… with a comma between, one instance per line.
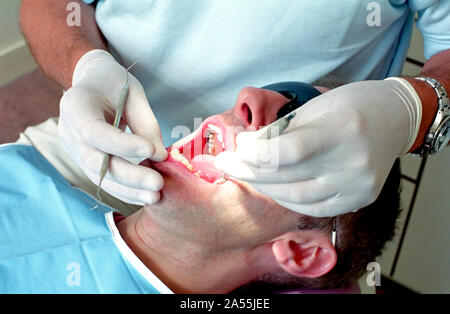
x=444, y=104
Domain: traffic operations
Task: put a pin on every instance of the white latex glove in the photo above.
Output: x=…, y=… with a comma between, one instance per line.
x=87, y=112
x=336, y=153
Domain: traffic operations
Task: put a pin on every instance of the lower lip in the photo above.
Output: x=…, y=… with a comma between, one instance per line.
x=203, y=167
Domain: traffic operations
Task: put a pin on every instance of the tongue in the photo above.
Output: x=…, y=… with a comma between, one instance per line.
x=204, y=165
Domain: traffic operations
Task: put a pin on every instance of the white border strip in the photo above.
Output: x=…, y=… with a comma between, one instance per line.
x=133, y=259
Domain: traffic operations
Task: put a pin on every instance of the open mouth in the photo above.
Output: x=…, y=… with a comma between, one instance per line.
x=197, y=151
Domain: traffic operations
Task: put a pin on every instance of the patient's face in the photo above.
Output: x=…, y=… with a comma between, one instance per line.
x=219, y=215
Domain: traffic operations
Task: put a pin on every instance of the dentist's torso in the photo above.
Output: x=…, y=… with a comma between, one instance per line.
x=194, y=56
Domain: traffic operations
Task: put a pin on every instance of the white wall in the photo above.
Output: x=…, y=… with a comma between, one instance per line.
x=15, y=58
x=424, y=261
x=8, y=22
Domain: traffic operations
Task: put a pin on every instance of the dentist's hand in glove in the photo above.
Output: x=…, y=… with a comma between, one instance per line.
x=336, y=153
x=87, y=112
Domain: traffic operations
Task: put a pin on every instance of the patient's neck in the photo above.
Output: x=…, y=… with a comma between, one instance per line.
x=186, y=267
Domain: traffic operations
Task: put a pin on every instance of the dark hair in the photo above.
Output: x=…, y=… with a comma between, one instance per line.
x=361, y=237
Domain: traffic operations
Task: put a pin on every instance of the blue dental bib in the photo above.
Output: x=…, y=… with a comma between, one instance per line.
x=50, y=240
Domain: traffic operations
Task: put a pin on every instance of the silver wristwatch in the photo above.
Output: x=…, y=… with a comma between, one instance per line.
x=438, y=135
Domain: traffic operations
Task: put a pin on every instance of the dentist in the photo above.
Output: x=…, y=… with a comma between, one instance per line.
x=193, y=56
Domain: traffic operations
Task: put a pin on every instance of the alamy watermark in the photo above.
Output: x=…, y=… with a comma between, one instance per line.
x=73, y=279
x=268, y=151
x=374, y=277
x=374, y=17
x=74, y=17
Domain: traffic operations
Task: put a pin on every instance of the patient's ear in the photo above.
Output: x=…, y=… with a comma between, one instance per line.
x=308, y=254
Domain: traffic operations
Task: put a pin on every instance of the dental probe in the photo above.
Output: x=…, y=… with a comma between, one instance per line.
x=281, y=124
x=119, y=111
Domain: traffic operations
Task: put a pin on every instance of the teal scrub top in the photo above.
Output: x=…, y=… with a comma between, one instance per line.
x=50, y=240
x=194, y=56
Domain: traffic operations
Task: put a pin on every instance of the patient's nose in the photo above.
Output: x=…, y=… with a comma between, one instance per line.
x=258, y=107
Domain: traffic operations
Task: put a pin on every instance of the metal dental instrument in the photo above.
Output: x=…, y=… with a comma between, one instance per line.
x=334, y=233
x=298, y=94
x=271, y=131
x=281, y=125
x=119, y=111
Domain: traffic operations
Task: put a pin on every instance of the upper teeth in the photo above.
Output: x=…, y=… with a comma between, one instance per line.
x=214, y=133
x=211, y=143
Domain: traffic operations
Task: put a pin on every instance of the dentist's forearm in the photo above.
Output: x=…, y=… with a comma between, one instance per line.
x=438, y=68
x=55, y=45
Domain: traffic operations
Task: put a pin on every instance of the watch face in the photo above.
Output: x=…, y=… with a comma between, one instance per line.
x=442, y=135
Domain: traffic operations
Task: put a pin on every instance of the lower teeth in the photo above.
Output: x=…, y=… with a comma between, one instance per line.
x=176, y=154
